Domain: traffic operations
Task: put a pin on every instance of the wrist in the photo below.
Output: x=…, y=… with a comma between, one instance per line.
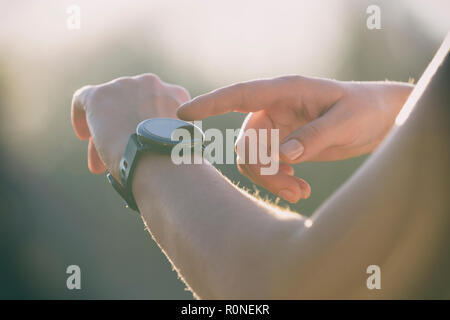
x=393, y=97
x=389, y=97
x=155, y=174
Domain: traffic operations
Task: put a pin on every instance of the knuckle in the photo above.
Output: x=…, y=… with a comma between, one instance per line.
x=100, y=92
x=81, y=95
x=123, y=81
x=149, y=79
x=291, y=78
x=181, y=93
x=294, y=80
x=242, y=90
x=106, y=89
x=81, y=91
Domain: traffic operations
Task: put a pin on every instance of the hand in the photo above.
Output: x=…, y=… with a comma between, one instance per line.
x=108, y=114
x=318, y=120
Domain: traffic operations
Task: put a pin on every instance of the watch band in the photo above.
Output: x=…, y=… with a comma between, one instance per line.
x=127, y=167
x=127, y=197
x=126, y=170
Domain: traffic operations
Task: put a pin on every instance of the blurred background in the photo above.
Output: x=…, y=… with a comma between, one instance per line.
x=53, y=213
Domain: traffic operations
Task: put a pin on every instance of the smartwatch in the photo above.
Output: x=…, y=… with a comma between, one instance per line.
x=152, y=135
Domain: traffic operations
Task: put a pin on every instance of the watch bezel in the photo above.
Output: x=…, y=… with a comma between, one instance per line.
x=146, y=136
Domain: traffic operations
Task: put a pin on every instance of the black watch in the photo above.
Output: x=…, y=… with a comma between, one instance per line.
x=152, y=135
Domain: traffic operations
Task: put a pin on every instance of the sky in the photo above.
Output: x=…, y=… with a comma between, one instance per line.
x=226, y=37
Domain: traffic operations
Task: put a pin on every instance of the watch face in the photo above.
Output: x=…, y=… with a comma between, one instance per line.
x=163, y=131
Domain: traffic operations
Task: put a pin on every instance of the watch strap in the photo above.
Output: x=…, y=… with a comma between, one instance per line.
x=127, y=166
x=126, y=196
x=128, y=162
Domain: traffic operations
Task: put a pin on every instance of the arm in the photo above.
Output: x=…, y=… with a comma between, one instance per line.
x=317, y=119
x=234, y=246
x=229, y=245
x=223, y=242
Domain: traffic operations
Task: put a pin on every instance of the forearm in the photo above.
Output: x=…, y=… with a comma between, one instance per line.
x=392, y=213
x=224, y=243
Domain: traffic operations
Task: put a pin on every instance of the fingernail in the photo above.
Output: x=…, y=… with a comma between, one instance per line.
x=287, y=195
x=292, y=149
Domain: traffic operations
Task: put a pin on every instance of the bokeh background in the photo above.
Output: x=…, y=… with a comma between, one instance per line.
x=53, y=213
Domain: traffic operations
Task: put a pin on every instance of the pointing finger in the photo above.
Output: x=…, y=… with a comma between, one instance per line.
x=241, y=97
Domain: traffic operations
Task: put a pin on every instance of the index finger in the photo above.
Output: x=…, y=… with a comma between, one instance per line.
x=244, y=97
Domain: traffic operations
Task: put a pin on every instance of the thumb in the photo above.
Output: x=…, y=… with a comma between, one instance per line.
x=307, y=141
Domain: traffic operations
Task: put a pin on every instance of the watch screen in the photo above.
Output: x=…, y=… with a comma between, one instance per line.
x=162, y=129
